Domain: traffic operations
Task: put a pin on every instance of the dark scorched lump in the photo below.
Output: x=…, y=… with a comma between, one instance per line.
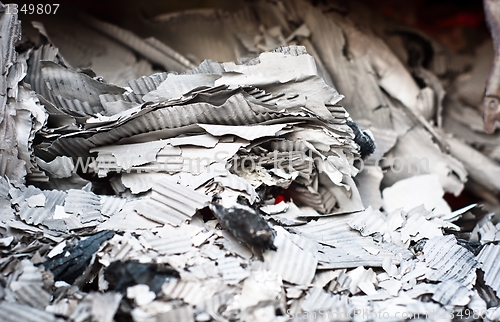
x=363, y=139
x=121, y=275
x=246, y=225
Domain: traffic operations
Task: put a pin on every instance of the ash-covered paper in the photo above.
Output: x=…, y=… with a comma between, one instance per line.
x=278, y=162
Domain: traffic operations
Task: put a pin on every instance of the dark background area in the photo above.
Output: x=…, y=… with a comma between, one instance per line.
x=457, y=23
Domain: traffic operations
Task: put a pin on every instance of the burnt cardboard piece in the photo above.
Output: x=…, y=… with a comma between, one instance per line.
x=246, y=225
x=121, y=275
x=73, y=261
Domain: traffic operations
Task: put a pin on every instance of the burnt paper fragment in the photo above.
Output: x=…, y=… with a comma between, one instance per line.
x=246, y=225
x=73, y=261
x=363, y=139
x=121, y=275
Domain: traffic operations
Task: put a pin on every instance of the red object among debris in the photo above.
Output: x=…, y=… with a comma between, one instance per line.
x=463, y=19
x=461, y=201
x=278, y=199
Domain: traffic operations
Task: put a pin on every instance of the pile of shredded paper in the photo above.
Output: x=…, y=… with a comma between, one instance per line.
x=285, y=161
